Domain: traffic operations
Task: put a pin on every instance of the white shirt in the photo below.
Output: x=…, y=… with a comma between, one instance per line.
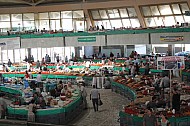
x=87, y=64
x=39, y=78
x=83, y=90
x=132, y=69
x=94, y=93
x=28, y=66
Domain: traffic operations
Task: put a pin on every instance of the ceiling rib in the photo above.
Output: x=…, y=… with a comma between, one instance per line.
x=21, y=1
x=38, y=2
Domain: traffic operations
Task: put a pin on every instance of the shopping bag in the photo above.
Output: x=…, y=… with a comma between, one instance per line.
x=100, y=102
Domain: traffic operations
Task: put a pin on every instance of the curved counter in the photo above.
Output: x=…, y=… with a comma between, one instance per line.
x=60, y=115
x=137, y=120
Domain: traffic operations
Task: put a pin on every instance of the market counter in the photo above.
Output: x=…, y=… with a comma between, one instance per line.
x=127, y=119
x=51, y=115
x=61, y=115
x=44, y=76
x=185, y=74
x=123, y=90
x=133, y=120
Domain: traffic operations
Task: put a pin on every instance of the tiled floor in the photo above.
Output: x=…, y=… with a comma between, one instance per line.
x=108, y=113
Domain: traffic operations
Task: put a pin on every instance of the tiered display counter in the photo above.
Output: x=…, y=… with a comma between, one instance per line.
x=127, y=119
x=50, y=115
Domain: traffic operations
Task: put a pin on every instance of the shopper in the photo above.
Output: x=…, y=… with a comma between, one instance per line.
x=164, y=84
x=132, y=70
x=147, y=69
x=111, y=55
x=149, y=119
x=164, y=121
x=39, y=81
x=176, y=101
x=83, y=93
x=95, y=96
x=9, y=63
x=118, y=55
x=57, y=58
x=3, y=106
x=136, y=68
x=38, y=64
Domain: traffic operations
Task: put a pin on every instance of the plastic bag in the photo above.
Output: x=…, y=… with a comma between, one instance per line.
x=100, y=102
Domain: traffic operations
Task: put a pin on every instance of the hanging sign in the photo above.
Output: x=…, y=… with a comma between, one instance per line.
x=171, y=38
x=170, y=63
x=87, y=39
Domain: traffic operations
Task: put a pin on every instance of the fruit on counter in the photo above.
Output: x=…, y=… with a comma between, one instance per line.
x=130, y=110
x=63, y=98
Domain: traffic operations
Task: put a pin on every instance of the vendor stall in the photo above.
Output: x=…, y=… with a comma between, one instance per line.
x=57, y=114
x=133, y=114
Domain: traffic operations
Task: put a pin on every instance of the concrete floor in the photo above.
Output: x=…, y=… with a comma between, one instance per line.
x=108, y=113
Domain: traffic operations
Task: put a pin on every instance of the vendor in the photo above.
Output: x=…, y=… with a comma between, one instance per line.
x=36, y=98
x=70, y=87
x=31, y=111
x=42, y=102
x=65, y=91
x=45, y=68
x=5, y=69
x=59, y=88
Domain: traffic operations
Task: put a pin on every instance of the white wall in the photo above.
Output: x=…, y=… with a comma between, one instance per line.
x=42, y=42
x=10, y=43
x=128, y=39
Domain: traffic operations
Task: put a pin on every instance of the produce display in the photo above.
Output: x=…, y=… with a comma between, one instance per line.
x=143, y=94
x=60, y=105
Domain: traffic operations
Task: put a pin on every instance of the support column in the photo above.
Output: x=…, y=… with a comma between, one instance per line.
x=77, y=52
x=149, y=49
x=171, y=50
x=1, y=55
x=122, y=51
x=29, y=53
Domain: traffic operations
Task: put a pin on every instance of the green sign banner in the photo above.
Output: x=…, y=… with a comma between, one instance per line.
x=86, y=39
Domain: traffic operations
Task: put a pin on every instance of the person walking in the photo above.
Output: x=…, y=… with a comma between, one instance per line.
x=83, y=93
x=95, y=96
